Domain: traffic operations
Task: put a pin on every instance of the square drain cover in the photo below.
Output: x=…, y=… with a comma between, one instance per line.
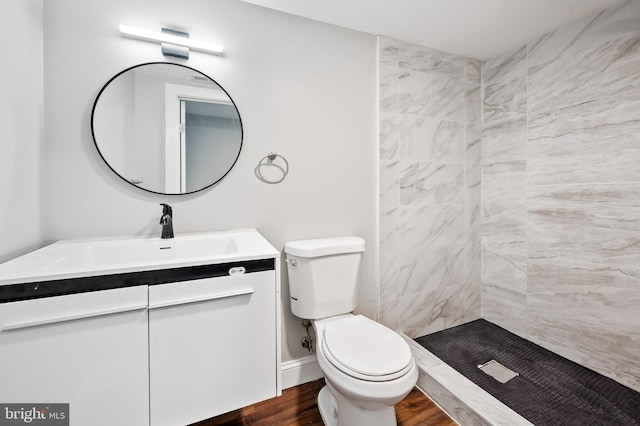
x=498, y=371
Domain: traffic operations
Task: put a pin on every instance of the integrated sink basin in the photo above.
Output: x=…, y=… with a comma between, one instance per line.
x=146, y=251
x=77, y=258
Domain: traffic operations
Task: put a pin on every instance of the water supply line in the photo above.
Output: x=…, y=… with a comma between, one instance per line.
x=307, y=341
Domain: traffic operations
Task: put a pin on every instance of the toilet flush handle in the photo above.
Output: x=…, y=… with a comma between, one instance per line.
x=291, y=262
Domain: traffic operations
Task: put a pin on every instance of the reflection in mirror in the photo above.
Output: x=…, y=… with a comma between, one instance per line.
x=166, y=128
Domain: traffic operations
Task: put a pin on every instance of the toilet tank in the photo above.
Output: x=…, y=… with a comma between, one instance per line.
x=323, y=275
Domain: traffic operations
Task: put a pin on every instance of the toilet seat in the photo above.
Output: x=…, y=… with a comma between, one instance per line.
x=365, y=349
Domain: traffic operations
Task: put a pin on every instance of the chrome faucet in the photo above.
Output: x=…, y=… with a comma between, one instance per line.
x=166, y=221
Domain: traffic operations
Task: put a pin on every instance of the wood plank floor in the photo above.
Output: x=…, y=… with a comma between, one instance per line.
x=297, y=406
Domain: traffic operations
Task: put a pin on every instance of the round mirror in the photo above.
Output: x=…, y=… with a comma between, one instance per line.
x=166, y=128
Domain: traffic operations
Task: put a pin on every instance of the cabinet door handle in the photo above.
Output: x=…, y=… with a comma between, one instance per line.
x=200, y=299
x=85, y=315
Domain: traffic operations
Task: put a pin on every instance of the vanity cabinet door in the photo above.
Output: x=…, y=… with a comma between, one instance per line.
x=89, y=350
x=212, y=345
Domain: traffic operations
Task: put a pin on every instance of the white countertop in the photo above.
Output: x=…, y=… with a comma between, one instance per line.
x=106, y=256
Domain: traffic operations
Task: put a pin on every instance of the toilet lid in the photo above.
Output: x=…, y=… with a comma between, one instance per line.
x=366, y=349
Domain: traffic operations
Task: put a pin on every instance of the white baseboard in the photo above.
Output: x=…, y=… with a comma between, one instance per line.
x=299, y=371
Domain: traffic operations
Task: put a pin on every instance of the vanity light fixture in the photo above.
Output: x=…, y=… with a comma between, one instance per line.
x=174, y=38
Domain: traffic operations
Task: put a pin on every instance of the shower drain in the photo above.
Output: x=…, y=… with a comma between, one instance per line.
x=498, y=371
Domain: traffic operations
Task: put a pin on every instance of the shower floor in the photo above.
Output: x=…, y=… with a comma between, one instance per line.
x=550, y=389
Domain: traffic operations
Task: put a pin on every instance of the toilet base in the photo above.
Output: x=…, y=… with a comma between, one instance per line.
x=336, y=410
x=328, y=407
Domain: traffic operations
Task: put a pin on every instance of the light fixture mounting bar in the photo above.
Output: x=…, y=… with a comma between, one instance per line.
x=170, y=49
x=168, y=38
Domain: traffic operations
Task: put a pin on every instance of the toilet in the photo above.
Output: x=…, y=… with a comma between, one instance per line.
x=368, y=368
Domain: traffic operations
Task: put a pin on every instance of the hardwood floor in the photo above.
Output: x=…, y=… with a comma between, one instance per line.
x=297, y=406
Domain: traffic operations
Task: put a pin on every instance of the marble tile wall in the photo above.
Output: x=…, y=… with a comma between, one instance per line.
x=430, y=147
x=561, y=192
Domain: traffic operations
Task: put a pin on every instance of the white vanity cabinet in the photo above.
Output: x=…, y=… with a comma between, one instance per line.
x=213, y=346
x=142, y=331
x=86, y=349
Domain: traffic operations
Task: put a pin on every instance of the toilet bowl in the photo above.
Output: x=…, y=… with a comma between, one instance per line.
x=368, y=367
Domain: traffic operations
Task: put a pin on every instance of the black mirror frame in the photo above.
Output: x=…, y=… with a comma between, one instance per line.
x=95, y=142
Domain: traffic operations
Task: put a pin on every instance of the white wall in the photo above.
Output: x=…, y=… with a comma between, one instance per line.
x=304, y=89
x=21, y=105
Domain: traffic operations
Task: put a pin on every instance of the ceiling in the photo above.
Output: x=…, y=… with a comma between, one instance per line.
x=474, y=28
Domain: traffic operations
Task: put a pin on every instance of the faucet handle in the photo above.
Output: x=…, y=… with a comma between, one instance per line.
x=166, y=209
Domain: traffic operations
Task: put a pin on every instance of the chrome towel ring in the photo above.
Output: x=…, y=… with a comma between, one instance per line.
x=269, y=164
